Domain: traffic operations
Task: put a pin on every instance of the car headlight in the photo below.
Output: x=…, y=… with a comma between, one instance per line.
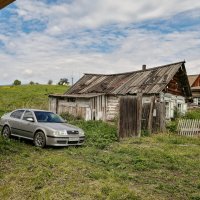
x=60, y=133
x=81, y=132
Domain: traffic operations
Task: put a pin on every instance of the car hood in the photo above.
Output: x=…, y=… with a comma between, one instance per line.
x=59, y=126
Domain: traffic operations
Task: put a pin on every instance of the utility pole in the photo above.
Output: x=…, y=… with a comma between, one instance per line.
x=72, y=80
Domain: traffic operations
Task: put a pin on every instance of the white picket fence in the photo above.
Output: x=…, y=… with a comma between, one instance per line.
x=189, y=127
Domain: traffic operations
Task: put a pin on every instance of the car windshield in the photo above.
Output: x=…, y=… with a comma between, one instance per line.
x=48, y=117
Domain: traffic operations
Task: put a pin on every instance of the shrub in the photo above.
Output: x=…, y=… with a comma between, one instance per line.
x=98, y=133
x=145, y=133
x=70, y=117
x=172, y=126
x=193, y=114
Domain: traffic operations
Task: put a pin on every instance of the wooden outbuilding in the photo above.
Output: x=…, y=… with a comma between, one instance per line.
x=96, y=96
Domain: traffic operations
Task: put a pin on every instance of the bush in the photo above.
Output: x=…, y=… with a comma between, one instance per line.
x=98, y=133
x=145, y=133
x=193, y=114
x=172, y=126
x=67, y=116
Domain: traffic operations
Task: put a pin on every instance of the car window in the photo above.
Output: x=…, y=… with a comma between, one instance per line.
x=17, y=114
x=48, y=117
x=27, y=114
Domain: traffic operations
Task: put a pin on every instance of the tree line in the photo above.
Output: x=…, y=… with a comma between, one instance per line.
x=62, y=81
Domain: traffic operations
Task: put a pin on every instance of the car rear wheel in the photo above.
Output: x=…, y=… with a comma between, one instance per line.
x=40, y=139
x=6, y=133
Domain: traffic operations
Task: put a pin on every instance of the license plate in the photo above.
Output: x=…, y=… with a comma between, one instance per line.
x=73, y=139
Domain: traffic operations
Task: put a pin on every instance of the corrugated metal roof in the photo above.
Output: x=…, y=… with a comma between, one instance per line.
x=149, y=81
x=77, y=95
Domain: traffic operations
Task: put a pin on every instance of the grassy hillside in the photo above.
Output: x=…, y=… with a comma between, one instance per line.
x=27, y=96
x=160, y=167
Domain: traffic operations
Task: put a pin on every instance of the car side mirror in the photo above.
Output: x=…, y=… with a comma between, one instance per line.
x=30, y=119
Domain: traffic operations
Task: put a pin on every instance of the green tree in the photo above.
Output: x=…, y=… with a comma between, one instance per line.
x=50, y=82
x=63, y=81
x=31, y=83
x=17, y=82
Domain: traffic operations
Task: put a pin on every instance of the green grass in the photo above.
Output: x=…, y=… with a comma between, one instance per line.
x=27, y=96
x=156, y=167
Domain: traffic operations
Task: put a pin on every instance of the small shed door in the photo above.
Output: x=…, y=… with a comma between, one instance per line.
x=88, y=114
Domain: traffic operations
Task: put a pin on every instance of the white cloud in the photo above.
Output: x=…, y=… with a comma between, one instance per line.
x=27, y=72
x=5, y=75
x=65, y=47
x=87, y=13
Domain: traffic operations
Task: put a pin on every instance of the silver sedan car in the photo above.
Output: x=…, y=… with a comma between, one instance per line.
x=43, y=127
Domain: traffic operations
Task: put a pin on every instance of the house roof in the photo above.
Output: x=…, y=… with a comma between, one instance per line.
x=192, y=78
x=196, y=88
x=4, y=3
x=149, y=81
x=77, y=95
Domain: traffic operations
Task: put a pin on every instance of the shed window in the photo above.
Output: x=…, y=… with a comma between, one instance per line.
x=179, y=107
x=71, y=99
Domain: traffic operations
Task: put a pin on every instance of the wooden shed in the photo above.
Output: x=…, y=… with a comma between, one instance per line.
x=96, y=96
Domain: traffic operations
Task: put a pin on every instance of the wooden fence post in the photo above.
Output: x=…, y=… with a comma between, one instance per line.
x=150, y=120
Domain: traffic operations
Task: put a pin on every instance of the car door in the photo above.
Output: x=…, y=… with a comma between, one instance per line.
x=27, y=125
x=14, y=122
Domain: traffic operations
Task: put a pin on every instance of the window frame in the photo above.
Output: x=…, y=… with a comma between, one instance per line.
x=12, y=115
x=28, y=117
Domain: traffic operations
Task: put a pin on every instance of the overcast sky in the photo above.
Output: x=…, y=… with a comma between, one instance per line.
x=53, y=39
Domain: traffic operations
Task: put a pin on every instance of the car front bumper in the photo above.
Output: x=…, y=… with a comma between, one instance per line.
x=1, y=128
x=65, y=141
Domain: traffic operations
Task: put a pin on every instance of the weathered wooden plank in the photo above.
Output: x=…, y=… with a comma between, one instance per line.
x=139, y=114
x=189, y=127
x=151, y=115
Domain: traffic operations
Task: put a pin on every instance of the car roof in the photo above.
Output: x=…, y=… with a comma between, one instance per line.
x=31, y=109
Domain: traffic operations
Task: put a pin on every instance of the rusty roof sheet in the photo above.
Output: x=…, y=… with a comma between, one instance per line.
x=4, y=3
x=149, y=81
x=192, y=78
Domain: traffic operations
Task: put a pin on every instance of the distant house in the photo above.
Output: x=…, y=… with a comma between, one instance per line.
x=194, y=81
x=96, y=96
x=4, y=3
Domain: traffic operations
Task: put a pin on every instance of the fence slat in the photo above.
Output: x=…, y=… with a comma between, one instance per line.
x=189, y=127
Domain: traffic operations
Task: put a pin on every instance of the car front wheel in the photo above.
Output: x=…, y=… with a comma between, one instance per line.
x=6, y=133
x=40, y=139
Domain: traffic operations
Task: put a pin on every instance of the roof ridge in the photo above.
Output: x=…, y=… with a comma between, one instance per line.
x=148, y=69
x=193, y=74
